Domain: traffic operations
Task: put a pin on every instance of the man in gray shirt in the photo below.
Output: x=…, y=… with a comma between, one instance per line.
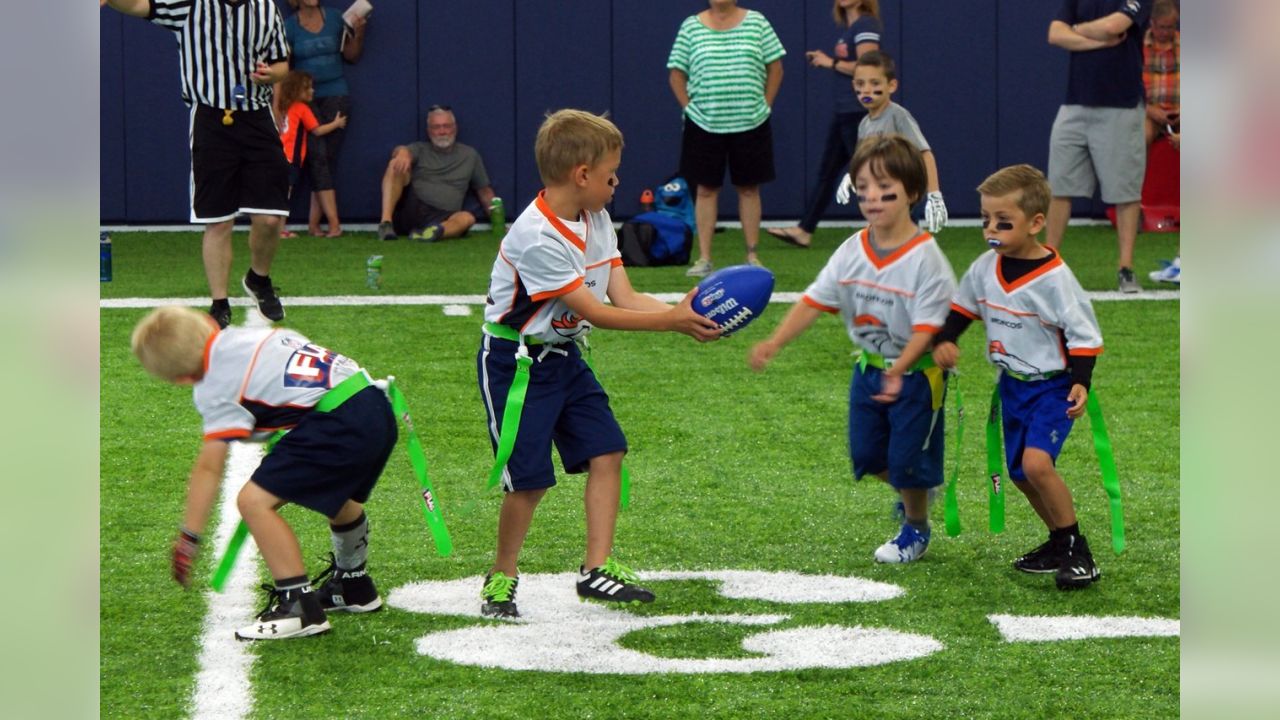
x=439, y=174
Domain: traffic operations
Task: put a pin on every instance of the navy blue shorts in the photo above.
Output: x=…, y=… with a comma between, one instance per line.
x=904, y=437
x=564, y=405
x=329, y=458
x=1034, y=415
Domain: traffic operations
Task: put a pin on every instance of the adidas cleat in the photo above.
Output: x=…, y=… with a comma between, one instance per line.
x=612, y=582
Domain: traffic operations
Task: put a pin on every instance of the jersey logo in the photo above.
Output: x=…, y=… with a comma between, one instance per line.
x=567, y=325
x=872, y=331
x=1003, y=358
x=309, y=367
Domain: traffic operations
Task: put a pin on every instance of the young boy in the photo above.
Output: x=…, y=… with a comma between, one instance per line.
x=874, y=80
x=1042, y=333
x=891, y=285
x=555, y=267
x=250, y=383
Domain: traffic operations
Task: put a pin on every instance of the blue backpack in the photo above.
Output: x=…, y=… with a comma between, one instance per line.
x=654, y=238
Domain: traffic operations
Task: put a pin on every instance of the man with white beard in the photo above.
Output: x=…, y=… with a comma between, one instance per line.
x=439, y=174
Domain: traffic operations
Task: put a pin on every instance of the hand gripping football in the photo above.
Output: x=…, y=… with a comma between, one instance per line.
x=734, y=296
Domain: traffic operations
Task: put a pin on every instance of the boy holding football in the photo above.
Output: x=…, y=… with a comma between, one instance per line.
x=1043, y=335
x=554, y=269
x=249, y=383
x=891, y=286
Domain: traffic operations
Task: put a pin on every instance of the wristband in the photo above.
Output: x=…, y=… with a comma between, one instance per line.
x=193, y=537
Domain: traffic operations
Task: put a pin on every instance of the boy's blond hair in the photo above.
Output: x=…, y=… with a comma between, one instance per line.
x=169, y=342
x=1020, y=178
x=569, y=138
x=896, y=157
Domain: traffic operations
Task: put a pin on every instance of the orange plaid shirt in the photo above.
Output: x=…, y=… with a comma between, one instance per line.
x=1160, y=73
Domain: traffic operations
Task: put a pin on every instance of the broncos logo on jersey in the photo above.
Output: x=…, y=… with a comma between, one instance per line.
x=1002, y=358
x=871, y=330
x=567, y=325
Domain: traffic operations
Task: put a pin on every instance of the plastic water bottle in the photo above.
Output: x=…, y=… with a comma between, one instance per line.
x=104, y=257
x=646, y=200
x=373, y=272
x=498, y=217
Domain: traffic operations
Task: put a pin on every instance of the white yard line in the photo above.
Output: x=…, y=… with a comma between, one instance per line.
x=372, y=300
x=223, y=691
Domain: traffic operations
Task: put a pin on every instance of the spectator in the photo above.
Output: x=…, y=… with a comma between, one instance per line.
x=1160, y=73
x=295, y=121
x=320, y=41
x=237, y=165
x=438, y=174
x=726, y=68
x=860, y=28
x=1097, y=137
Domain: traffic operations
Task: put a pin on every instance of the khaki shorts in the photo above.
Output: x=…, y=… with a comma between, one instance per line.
x=1092, y=145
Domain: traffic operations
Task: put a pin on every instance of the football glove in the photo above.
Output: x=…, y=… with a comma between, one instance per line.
x=935, y=212
x=185, y=549
x=845, y=191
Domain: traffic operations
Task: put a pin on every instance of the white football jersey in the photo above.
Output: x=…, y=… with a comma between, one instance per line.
x=259, y=380
x=1033, y=323
x=543, y=258
x=882, y=301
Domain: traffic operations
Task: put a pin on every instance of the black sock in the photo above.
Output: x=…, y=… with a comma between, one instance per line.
x=224, y=303
x=254, y=278
x=1065, y=532
x=292, y=583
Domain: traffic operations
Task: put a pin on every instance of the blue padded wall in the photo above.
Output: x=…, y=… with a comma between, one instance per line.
x=979, y=77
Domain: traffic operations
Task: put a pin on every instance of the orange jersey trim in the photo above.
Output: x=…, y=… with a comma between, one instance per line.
x=867, y=320
x=208, y=348
x=964, y=311
x=556, y=223
x=616, y=262
x=886, y=288
x=577, y=283
x=1090, y=352
x=891, y=258
x=227, y=435
x=817, y=305
x=926, y=328
x=252, y=362
x=1011, y=286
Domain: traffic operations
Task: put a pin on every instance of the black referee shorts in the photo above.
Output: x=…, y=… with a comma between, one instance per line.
x=236, y=168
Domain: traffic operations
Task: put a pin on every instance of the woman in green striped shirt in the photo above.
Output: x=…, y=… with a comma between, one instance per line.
x=726, y=68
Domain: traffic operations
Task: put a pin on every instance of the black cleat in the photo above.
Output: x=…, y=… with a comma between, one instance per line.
x=1045, y=559
x=265, y=295
x=350, y=591
x=288, y=614
x=1078, y=569
x=499, y=595
x=221, y=314
x=612, y=582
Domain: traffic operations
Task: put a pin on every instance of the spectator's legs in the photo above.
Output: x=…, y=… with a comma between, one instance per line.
x=1127, y=218
x=393, y=185
x=458, y=224
x=328, y=203
x=749, y=214
x=314, y=217
x=264, y=238
x=216, y=250
x=1056, y=223
x=705, y=208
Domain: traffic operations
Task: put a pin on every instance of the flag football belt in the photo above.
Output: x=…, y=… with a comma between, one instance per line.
x=1101, y=446
x=330, y=401
x=880, y=362
x=515, y=405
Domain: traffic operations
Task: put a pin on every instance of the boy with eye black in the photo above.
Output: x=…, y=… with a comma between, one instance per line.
x=1043, y=335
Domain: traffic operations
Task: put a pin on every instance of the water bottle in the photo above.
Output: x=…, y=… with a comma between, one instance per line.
x=104, y=257
x=373, y=272
x=498, y=217
x=646, y=200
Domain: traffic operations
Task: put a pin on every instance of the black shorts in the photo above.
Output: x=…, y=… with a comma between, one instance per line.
x=329, y=458
x=749, y=155
x=236, y=168
x=411, y=214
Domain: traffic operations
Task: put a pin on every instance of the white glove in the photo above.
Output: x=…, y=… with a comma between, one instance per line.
x=845, y=191
x=935, y=212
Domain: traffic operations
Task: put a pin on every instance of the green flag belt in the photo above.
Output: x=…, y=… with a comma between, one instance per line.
x=329, y=402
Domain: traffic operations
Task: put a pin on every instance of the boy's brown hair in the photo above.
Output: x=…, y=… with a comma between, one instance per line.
x=170, y=341
x=292, y=88
x=1020, y=178
x=879, y=59
x=569, y=138
x=896, y=157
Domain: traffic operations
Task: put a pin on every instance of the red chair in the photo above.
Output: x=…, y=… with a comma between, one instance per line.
x=1161, y=189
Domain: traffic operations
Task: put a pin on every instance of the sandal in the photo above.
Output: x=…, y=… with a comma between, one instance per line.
x=786, y=237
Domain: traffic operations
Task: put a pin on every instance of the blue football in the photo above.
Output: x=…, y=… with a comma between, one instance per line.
x=734, y=296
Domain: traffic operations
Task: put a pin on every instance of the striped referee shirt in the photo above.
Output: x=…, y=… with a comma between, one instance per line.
x=726, y=70
x=220, y=42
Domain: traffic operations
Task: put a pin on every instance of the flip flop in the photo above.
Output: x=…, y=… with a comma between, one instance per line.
x=786, y=237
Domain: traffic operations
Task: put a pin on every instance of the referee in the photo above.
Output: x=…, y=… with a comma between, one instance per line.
x=230, y=52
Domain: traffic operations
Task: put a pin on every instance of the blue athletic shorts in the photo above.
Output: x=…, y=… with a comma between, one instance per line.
x=1035, y=415
x=904, y=437
x=332, y=457
x=564, y=405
